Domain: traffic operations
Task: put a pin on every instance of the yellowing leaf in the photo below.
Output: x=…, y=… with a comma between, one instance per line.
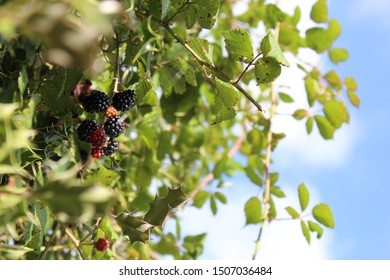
x=319, y=12
x=323, y=215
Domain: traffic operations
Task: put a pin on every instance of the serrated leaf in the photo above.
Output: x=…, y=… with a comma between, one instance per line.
x=323, y=215
x=238, y=44
x=318, y=39
x=336, y=113
x=305, y=231
x=191, y=15
x=270, y=48
x=141, y=90
x=134, y=228
x=324, y=126
x=299, y=114
x=227, y=93
x=161, y=206
x=353, y=98
x=285, y=97
x=203, y=49
x=224, y=115
x=253, y=211
x=292, y=212
x=319, y=12
x=267, y=70
x=208, y=10
x=221, y=197
x=309, y=125
x=304, y=196
x=200, y=198
x=337, y=55
x=314, y=227
x=312, y=88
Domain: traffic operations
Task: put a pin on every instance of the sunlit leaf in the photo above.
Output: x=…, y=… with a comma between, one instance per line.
x=319, y=11
x=323, y=215
x=271, y=49
x=304, y=196
x=305, y=231
x=293, y=213
x=253, y=211
x=324, y=126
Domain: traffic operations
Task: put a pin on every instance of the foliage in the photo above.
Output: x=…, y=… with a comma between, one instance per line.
x=191, y=63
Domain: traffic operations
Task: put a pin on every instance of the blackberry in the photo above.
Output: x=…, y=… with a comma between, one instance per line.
x=97, y=101
x=111, y=111
x=112, y=147
x=114, y=126
x=98, y=138
x=124, y=100
x=86, y=128
x=97, y=152
x=102, y=244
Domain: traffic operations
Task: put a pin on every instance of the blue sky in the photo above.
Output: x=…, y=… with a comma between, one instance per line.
x=350, y=173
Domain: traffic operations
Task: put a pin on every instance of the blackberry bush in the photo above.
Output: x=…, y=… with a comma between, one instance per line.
x=86, y=128
x=114, y=126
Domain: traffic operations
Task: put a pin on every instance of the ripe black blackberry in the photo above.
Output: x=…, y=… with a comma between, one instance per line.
x=97, y=101
x=86, y=128
x=124, y=100
x=114, y=126
x=112, y=147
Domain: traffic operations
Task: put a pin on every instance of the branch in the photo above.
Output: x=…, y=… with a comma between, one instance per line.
x=75, y=242
x=117, y=63
x=210, y=66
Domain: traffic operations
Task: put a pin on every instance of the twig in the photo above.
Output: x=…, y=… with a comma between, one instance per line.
x=117, y=63
x=246, y=68
x=46, y=251
x=75, y=242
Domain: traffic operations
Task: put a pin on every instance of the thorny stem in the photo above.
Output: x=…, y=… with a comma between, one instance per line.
x=267, y=163
x=202, y=62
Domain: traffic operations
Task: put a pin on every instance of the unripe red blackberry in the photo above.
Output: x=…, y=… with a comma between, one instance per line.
x=86, y=128
x=98, y=138
x=114, y=126
x=124, y=100
x=97, y=101
x=97, y=152
x=112, y=147
x=102, y=244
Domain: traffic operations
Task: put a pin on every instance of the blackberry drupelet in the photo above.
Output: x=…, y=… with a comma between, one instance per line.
x=97, y=101
x=114, y=126
x=124, y=100
x=112, y=147
x=86, y=128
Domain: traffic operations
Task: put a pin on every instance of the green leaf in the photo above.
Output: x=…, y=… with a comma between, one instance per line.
x=323, y=215
x=253, y=176
x=238, y=44
x=309, y=125
x=267, y=70
x=161, y=206
x=221, y=197
x=314, y=227
x=227, y=93
x=285, y=97
x=318, y=39
x=292, y=212
x=351, y=83
x=353, y=98
x=191, y=15
x=253, y=211
x=213, y=205
x=203, y=49
x=141, y=90
x=334, y=29
x=276, y=191
x=334, y=79
x=148, y=135
x=208, y=10
x=166, y=5
x=324, y=126
x=312, y=88
x=319, y=12
x=224, y=115
x=194, y=244
x=134, y=228
x=337, y=55
x=336, y=113
x=305, y=231
x=271, y=49
x=303, y=195
x=299, y=114
x=200, y=198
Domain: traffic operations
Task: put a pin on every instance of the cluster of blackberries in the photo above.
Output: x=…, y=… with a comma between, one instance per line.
x=102, y=136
